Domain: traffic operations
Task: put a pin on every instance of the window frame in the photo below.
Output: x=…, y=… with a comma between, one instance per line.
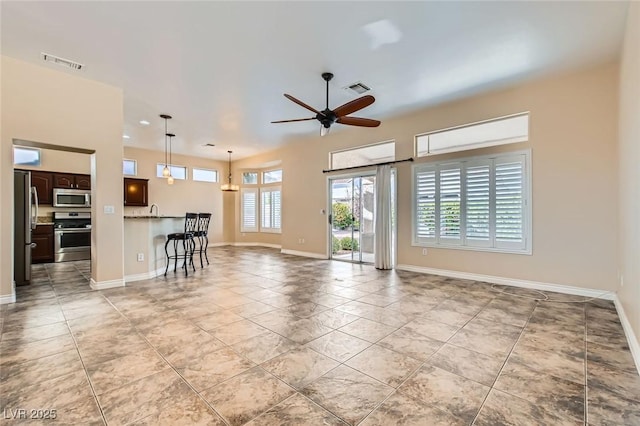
x=262, y=182
x=461, y=148
x=26, y=148
x=135, y=167
x=171, y=167
x=193, y=178
x=270, y=229
x=463, y=244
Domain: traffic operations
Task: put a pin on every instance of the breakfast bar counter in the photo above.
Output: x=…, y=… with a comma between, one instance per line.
x=144, y=239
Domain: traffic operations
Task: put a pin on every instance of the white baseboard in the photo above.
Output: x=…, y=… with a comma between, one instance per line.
x=632, y=339
x=143, y=276
x=9, y=298
x=305, y=254
x=277, y=246
x=514, y=282
x=103, y=285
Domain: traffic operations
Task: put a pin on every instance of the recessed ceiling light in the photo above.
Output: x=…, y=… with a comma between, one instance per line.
x=144, y=122
x=126, y=137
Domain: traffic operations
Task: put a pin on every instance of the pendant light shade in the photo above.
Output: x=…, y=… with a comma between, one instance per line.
x=169, y=177
x=229, y=187
x=166, y=172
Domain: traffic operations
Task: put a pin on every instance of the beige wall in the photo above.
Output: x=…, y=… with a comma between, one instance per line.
x=44, y=105
x=573, y=135
x=184, y=195
x=629, y=174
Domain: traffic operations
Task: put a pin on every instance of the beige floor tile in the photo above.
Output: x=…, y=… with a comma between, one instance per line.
x=347, y=393
x=475, y=366
x=244, y=397
x=296, y=410
x=213, y=368
x=264, y=347
x=399, y=409
x=338, y=345
x=409, y=342
x=299, y=367
x=384, y=364
x=368, y=330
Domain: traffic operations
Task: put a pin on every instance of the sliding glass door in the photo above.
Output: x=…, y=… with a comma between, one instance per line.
x=352, y=201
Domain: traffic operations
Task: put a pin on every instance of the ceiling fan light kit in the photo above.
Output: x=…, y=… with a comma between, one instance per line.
x=327, y=117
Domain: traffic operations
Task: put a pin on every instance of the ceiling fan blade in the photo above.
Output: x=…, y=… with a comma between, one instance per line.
x=297, y=119
x=302, y=104
x=357, y=121
x=354, y=105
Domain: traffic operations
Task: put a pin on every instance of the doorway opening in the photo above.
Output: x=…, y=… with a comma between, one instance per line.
x=352, y=201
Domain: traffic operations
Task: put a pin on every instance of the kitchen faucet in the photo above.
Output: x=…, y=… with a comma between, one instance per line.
x=157, y=209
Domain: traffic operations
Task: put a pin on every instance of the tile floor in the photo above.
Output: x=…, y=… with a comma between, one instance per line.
x=262, y=338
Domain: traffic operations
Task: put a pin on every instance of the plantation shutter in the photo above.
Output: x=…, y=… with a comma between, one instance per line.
x=478, y=203
x=450, y=208
x=425, y=193
x=509, y=202
x=249, y=209
x=271, y=210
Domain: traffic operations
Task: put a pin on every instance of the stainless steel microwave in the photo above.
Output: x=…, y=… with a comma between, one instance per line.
x=63, y=197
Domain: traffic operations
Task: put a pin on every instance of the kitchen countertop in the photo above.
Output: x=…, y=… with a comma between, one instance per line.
x=154, y=217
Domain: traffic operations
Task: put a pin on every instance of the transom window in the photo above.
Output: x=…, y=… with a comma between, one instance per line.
x=23, y=156
x=204, y=175
x=272, y=176
x=499, y=131
x=363, y=155
x=477, y=203
x=250, y=178
x=129, y=167
x=177, y=172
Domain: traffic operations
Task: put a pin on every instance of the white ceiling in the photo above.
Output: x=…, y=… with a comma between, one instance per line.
x=221, y=68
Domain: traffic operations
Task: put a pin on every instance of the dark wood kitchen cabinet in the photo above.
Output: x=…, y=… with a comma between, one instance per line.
x=71, y=180
x=43, y=181
x=43, y=251
x=136, y=192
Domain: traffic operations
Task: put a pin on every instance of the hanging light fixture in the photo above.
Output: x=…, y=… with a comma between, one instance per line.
x=165, y=172
x=170, y=178
x=229, y=187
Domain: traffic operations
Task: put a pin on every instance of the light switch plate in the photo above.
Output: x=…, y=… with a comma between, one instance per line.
x=109, y=210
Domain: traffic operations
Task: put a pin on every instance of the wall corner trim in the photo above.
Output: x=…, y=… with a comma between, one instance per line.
x=305, y=254
x=514, y=282
x=143, y=276
x=8, y=298
x=632, y=339
x=103, y=285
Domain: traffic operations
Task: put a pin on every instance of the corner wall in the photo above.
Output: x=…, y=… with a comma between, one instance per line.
x=629, y=177
x=45, y=105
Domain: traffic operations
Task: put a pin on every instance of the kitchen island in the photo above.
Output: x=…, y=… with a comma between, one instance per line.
x=144, y=239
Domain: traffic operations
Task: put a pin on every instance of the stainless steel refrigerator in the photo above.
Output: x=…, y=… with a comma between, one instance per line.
x=25, y=219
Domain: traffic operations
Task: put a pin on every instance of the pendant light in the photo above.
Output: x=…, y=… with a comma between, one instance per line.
x=165, y=172
x=170, y=178
x=229, y=187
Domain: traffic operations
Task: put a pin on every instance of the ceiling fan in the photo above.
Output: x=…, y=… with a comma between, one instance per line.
x=327, y=117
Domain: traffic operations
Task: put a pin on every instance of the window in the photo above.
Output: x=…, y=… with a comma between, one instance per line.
x=361, y=156
x=499, y=131
x=204, y=175
x=23, y=156
x=479, y=203
x=178, y=172
x=272, y=176
x=249, y=219
x=270, y=214
x=129, y=167
x=250, y=178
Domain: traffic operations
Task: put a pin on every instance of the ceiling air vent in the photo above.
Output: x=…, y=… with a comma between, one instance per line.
x=61, y=61
x=358, y=88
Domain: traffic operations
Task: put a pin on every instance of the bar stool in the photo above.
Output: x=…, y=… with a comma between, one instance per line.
x=188, y=244
x=202, y=235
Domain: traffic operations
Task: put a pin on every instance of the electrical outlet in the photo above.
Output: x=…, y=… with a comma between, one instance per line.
x=424, y=251
x=300, y=240
x=140, y=257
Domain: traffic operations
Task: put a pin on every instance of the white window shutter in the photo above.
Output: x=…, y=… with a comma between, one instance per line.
x=249, y=208
x=450, y=189
x=271, y=210
x=478, y=204
x=509, y=202
x=425, y=193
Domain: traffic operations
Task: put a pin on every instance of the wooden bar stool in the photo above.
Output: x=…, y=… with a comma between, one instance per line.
x=188, y=244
